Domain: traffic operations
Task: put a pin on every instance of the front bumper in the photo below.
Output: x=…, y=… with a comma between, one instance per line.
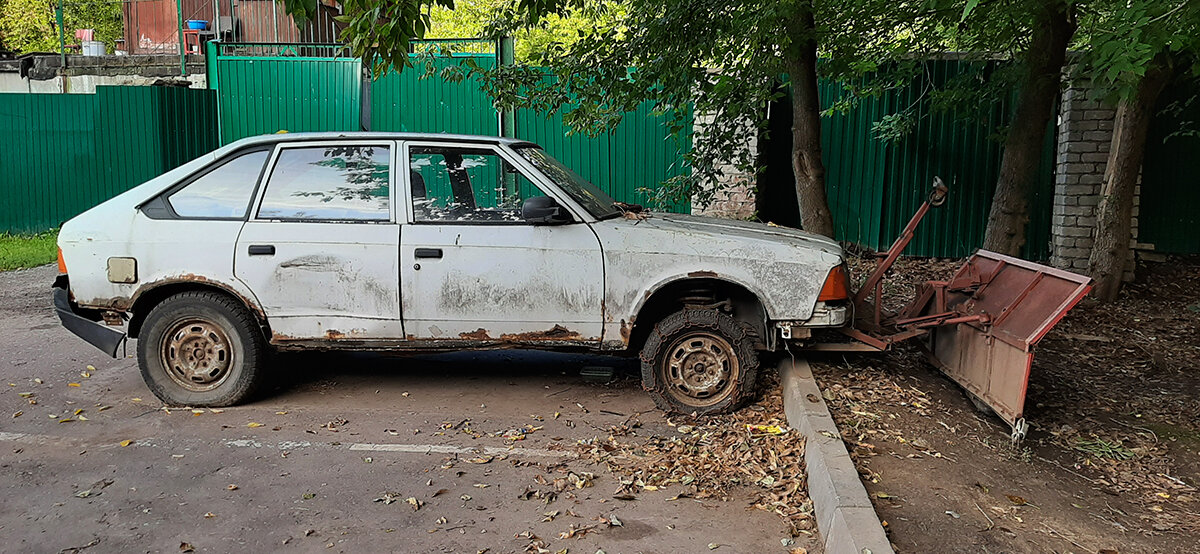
x=84, y=323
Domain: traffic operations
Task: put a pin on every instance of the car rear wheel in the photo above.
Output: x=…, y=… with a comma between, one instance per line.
x=201, y=349
x=700, y=361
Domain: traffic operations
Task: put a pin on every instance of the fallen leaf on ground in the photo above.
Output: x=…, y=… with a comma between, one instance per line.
x=73, y=384
x=209, y=515
x=125, y=443
x=185, y=547
x=231, y=487
x=1016, y=500
x=479, y=460
x=254, y=424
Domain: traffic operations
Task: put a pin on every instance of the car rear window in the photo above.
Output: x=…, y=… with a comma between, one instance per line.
x=222, y=193
x=329, y=183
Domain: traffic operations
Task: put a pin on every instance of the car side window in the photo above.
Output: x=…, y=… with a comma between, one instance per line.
x=466, y=184
x=329, y=183
x=222, y=193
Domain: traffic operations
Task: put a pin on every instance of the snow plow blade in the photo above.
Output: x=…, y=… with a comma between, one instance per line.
x=1009, y=304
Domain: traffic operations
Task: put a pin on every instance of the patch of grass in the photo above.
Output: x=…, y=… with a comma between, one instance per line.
x=21, y=251
x=1100, y=448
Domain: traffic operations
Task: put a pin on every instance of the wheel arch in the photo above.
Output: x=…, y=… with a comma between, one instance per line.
x=151, y=295
x=674, y=294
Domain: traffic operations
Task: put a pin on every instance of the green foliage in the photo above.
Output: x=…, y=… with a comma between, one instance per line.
x=30, y=25
x=22, y=251
x=1123, y=38
x=27, y=26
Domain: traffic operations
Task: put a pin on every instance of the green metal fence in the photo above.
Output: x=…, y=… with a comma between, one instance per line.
x=64, y=153
x=875, y=186
x=410, y=102
x=265, y=88
x=1169, y=217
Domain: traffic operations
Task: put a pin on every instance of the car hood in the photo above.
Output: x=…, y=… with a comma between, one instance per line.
x=732, y=228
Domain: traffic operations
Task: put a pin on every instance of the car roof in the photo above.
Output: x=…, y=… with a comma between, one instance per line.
x=370, y=135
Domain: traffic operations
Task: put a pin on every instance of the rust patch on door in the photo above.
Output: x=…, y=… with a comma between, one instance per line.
x=624, y=331
x=334, y=334
x=478, y=334
x=556, y=333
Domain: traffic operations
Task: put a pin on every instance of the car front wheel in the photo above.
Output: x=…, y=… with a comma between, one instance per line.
x=201, y=349
x=698, y=360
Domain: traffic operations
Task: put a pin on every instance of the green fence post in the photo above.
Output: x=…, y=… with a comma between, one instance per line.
x=210, y=63
x=506, y=56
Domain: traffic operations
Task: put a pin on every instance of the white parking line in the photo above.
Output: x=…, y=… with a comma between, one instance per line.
x=296, y=445
x=446, y=449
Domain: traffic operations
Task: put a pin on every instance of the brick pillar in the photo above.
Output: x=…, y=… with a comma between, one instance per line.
x=1084, y=136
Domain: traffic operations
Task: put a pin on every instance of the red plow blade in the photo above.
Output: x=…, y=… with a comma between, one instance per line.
x=1015, y=303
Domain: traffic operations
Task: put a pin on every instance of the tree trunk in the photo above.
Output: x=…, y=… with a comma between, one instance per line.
x=1052, y=31
x=801, y=60
x=1110, y=249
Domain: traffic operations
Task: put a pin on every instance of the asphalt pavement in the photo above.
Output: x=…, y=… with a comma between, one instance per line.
x=345, y=453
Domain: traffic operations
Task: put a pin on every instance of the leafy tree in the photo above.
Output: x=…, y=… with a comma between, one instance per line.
x=474, y=18
x=1133, y=49
x=27, y=26
x=30, y=25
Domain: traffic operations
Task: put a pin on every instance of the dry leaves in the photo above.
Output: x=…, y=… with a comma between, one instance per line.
x=751, y=447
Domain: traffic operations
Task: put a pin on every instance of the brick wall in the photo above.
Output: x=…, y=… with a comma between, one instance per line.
x=734, y=196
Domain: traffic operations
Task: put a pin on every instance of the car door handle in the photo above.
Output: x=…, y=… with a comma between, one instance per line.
x=429, y=253
x=262, y=249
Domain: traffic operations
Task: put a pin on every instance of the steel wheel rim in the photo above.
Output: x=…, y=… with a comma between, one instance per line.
x=700, y=369
x=197, y=354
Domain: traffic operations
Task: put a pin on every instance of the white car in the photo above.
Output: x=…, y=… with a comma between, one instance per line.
x=428, y=242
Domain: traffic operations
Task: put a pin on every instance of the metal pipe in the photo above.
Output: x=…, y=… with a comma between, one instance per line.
x=275, y=20
x=62, y=40
x=182, y=47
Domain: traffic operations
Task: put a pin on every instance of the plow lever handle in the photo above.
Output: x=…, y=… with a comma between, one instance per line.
x=937, y=196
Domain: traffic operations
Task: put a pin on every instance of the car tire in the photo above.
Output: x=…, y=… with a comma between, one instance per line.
x=201, y=349
x=700, y=361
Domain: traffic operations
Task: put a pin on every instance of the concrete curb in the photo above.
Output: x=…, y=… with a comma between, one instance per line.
x=845, y=516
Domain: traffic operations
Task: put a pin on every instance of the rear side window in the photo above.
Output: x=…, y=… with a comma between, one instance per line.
x=224, y=192
x=329, y=183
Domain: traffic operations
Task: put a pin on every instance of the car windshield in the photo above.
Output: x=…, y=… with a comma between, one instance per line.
x=594, y=200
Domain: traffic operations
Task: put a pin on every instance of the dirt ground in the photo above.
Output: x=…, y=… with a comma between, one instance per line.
x=489, y=452
x=1111, y=463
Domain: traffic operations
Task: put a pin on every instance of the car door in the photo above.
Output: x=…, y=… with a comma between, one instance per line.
x=473, y=269
x=320, y=249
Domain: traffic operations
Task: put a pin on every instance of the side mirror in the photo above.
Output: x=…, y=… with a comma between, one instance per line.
x=543, y=210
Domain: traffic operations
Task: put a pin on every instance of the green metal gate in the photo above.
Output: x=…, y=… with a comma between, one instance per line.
x=267, y=88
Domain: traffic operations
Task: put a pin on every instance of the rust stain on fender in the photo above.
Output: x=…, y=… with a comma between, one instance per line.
x=702, y=274
x=478, y=334
x=624, y=331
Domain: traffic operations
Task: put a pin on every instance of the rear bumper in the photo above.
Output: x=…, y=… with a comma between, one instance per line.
x=85, y=324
